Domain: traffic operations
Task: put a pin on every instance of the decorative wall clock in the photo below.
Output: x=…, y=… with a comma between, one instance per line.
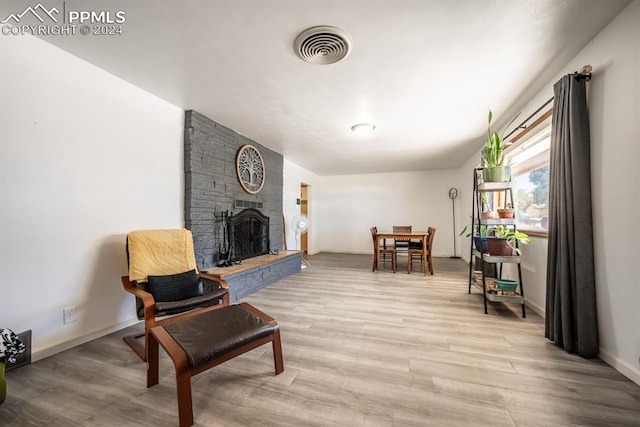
x=250, y=168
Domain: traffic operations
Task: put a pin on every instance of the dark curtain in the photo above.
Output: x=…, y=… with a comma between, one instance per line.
x=571, y=320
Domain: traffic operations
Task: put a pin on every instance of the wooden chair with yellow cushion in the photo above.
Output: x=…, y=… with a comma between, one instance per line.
x=165, y=280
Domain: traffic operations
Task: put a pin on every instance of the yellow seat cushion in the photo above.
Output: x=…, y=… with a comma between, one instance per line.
x=160, y=253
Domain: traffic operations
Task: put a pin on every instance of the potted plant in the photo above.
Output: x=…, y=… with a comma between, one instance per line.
x=480, y=241
x=506, y=212
x=487, y=212
x=493, y=154
x=505, y=241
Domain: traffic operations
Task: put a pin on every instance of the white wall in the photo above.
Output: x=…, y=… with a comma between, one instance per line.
x=293, y=176
x=465, y=196
x=615, y=131
x=342, y=208
x=348, y=205
x=84, y=158
x=614, y=97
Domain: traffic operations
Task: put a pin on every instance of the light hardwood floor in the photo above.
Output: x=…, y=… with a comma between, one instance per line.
x=360, y=349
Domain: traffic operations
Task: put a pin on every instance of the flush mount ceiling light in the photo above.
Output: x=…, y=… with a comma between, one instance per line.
x=322, y=45
x=363, y=129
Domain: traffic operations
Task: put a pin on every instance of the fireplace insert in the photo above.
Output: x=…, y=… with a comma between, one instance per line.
x=248, y=234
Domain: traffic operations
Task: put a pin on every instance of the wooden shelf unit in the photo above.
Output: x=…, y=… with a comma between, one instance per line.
x=479, y=259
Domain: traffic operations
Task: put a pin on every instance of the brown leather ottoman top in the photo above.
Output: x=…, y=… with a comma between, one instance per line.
x=209, y=335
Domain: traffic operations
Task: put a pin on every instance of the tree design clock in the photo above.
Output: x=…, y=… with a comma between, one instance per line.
x=250, y=168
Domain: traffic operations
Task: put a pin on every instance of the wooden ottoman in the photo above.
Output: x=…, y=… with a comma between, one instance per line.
x=197, y=341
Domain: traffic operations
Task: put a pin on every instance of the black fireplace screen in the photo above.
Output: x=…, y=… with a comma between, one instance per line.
x=249, y=234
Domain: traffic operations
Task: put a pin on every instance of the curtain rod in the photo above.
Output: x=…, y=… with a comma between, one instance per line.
x=522, y=125
x=585, y=73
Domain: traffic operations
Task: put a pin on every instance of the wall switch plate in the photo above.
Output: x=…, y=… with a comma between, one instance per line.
x=69, y=315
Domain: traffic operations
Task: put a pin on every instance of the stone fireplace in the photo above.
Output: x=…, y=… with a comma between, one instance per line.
x=213, y=191
x=224, y=217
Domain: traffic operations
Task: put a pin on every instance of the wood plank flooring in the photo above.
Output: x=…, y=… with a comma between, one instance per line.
x=360, y=349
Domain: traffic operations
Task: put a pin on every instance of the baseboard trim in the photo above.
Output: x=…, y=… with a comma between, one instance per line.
x=535, y=307
x=619, y=365
x=369, y=252
x=54, y=349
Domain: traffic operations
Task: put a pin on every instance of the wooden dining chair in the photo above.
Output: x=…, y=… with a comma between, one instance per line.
x=401, y=245
x=382, y=252
x=416, y=252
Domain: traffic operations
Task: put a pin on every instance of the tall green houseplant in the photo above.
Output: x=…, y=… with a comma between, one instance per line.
x=493, y=153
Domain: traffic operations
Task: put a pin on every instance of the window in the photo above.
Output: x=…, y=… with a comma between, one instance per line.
x=530, y=177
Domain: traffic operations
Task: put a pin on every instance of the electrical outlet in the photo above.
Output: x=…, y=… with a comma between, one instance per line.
x=69, y=315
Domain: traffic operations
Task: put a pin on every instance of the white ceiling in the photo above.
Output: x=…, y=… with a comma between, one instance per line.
x=424, y=71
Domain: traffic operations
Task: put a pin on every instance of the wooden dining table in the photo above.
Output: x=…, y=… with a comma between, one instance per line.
x=421, y=236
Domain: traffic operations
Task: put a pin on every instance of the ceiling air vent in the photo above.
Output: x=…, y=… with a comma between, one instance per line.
x=322, y=45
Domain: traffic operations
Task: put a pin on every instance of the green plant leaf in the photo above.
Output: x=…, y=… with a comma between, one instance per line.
x=504, y=131
x=492, y=152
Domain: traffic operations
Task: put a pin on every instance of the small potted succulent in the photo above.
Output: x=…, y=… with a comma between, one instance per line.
x=506, y=212
x=487, y=212
x=493, y=154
